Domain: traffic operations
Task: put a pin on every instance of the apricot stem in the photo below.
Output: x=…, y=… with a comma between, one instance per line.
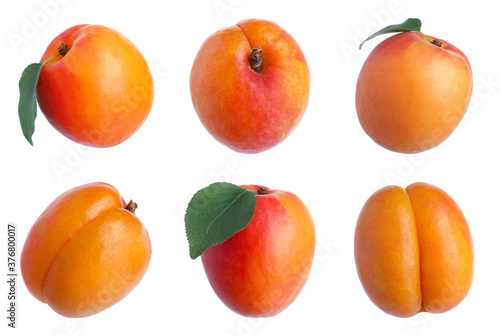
x=48, y=59
x=262, y=191
x=256, y=60
x=437, y=43
x=131, y=206
x=425, y=36
x=63, y=49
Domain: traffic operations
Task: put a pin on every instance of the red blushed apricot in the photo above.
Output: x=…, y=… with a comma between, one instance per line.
x=100, y=91
x=247, y=108
x=260, y=270
x=413, y=250
x=411, y=94
x=86, y=251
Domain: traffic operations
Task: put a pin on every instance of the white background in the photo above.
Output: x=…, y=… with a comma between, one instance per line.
x=328, y=161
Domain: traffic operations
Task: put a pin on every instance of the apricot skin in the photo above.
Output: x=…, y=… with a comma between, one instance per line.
x=411, y=94
x=100, y=92
x=247, y=111
x=413, y=250
x=260, y=270
x=85, y=252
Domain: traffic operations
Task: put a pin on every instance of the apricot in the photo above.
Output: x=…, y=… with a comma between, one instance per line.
x=413, y=250
x=260, y=270
x=86, y=251
x=411, y=94
x=100, y=91
x=250, y=85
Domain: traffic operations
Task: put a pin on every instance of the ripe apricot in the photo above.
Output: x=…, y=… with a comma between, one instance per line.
x=411, y=94
x=250, y=85
x=100, y=91
x=413, y=250
x=260, y=270
x=86, y=251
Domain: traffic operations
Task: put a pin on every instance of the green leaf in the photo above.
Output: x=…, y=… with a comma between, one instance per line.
x=215, y=214
x=407, y=26
x=27, y=99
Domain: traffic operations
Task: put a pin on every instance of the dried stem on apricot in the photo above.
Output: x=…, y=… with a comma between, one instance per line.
x=63, y=49
x=131, y=206
x=262, y=191
x=437, y=43
x=256, y=60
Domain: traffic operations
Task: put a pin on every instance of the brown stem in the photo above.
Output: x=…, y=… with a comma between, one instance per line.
x=131, y=206
x=63, y=49
x=437, y=43
x=256, y=60
x=262, y=191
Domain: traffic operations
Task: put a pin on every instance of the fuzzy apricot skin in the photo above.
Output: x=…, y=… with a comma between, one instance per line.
x=260, y=270
x=85, y=252
x=100, y=92
x=411, y=94
x=413, y=250
x=247, y=111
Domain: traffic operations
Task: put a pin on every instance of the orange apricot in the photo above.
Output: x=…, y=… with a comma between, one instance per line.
x=411, y=94
x=86, y=251
x=250, y=85
x=99, y=91
x=413, y=250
